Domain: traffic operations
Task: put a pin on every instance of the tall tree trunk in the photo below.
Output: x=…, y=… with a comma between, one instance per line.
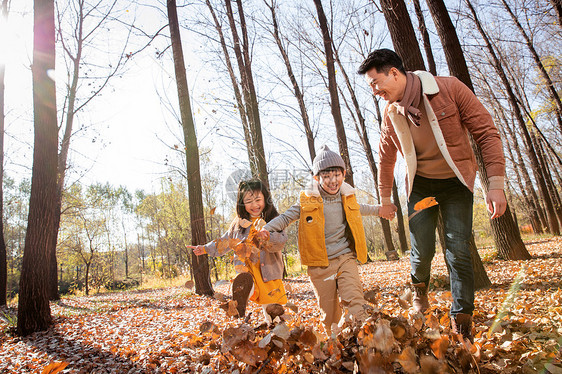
x=299, y=95
x=333, y=90
x=200, y=263
x=402, y=33
x=549, y=84
x=3, y=252
x=506, y=234
x=241, y=49
x=34, y=312
x=425, y=38
x=552, y=220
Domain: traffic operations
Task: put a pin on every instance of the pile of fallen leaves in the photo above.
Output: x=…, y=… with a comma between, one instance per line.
x=517, y=327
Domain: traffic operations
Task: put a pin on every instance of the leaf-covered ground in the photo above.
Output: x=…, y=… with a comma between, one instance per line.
x=518, y=325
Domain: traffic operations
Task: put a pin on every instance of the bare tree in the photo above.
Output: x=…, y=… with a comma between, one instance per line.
x=549, y=84
x=425, y=38
x=242, y=51
x=333, y=90
x=299, y=95
x=3, y=254
x=552, y=220
x=402, y=33
x=34, y=312
x=505, y=231
x=200, y=263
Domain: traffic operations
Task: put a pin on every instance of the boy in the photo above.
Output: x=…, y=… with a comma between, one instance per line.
x=331, y=237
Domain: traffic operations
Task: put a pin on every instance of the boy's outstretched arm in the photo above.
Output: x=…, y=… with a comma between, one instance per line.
x=384, y=211
x=283, y=220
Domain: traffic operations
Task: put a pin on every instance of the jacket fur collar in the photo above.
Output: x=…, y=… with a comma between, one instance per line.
x=429, y=85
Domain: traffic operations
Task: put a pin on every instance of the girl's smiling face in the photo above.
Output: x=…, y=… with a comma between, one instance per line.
x=254, y=203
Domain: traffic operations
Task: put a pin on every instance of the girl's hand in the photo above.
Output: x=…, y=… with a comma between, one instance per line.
x=197, y=249
x=263, y=235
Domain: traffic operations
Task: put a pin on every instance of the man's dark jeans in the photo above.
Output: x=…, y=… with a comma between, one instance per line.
x=455, y=202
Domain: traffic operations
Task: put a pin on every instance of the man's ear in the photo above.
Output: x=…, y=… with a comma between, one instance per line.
x=344, y=171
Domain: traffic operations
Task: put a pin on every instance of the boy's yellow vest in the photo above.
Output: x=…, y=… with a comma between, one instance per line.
x=312, y=246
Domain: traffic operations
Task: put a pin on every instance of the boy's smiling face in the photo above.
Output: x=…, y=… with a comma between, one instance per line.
x=330, y=180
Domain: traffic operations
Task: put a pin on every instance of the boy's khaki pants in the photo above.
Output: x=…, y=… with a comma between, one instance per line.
x=339, y=280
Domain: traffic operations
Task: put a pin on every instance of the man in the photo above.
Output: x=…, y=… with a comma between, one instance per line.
x=427, y=119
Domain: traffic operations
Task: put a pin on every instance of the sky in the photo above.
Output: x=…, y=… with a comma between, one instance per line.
x=131, y=141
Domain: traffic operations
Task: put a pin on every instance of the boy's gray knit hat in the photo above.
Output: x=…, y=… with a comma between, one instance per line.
x=325, y=158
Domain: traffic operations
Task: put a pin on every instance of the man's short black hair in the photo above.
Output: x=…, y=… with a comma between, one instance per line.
x=382, y=60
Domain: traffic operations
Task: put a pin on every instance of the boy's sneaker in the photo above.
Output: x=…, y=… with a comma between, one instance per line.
x=462, y=324
x=241, y=287
x=420, y=301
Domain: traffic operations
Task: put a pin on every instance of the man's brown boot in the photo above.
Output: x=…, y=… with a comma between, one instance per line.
x=241, y=287
x=462, y=324
x=420, y=301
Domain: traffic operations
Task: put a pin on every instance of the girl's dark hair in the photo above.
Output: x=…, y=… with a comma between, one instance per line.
x=253, y=185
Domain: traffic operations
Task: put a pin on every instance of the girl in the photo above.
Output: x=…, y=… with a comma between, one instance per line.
x=259, y=281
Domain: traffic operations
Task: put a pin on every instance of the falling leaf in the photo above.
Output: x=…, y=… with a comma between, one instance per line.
x=241, y=269
x=439, y=347
x=189, y=284
x=383, y=338
x=425, y=203
x=292, y=306
x=248, y=353
x=371, y=296
x=212, y=211
x=408, y=360
x=230, y=308
x=54, y=367
x=275, y=310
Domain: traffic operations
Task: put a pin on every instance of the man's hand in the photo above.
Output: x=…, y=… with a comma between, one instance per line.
x=387, y=211
x=496, y=202
x=197, y=249
x=263, y=235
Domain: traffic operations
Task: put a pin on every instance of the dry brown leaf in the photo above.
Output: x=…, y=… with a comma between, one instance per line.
x=189, y=284
x=292, y=306
x=408, y=360
x=54, y=367
x=439, y=347
x=230, y=308
x=275, y=310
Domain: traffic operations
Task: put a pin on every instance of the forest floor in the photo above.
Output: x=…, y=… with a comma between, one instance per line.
x=518, y=328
